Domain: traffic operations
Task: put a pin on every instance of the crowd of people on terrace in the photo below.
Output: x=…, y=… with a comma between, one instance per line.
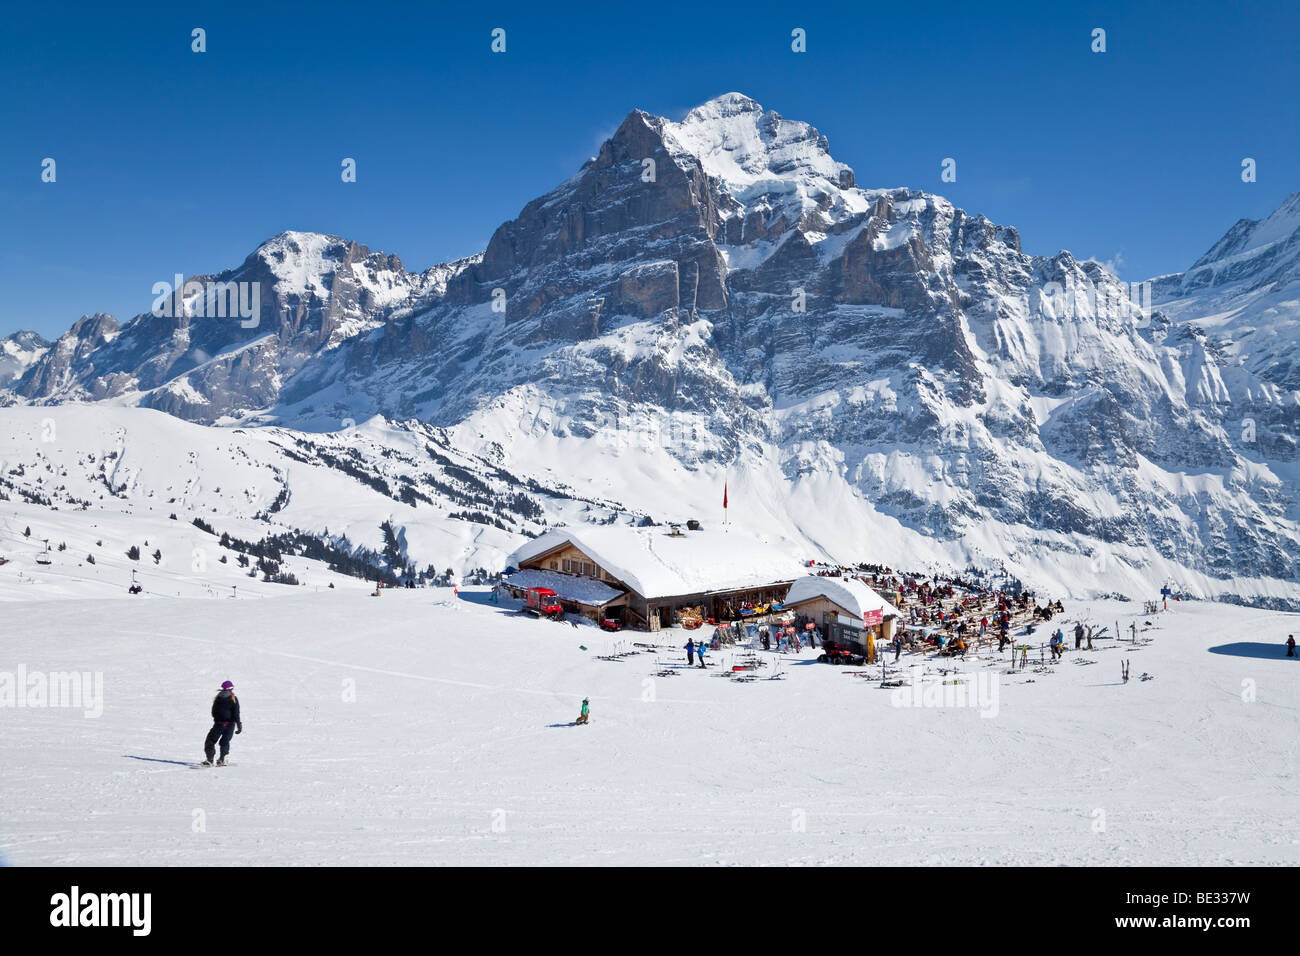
x=951, y=614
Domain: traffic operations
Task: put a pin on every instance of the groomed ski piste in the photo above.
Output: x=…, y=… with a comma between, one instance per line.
x=433, y=727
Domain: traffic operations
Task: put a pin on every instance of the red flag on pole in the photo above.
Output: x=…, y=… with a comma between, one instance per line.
x=724, y=494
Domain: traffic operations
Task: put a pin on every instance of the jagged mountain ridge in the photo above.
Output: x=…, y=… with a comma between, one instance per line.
x=315, y=292
x=738, y=300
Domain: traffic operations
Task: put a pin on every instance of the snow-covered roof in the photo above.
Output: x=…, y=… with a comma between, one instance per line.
x=655, y=564
x=567, y=587
x=852, y=594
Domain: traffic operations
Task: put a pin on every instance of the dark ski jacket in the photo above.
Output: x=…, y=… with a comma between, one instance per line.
x=225, y=708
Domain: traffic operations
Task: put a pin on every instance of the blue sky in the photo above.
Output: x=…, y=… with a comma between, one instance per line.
x=171, y=161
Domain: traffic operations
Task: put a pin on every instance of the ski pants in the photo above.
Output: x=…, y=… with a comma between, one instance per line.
x=219, y=732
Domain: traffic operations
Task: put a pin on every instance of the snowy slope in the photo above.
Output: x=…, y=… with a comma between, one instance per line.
x=425, y=728
x=65, y=470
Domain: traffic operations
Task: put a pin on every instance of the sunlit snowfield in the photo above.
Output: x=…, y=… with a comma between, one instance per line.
x=456, y=750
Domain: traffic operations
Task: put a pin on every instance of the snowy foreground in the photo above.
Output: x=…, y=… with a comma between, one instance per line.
x=425, y=727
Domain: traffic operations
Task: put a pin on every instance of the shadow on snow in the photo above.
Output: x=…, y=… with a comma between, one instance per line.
x=1257, y=649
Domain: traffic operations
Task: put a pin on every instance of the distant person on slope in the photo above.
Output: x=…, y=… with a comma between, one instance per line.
x=225, y=722
x=1290, y=645
x=1078, y=635
x=586, y=711
x=690, y=651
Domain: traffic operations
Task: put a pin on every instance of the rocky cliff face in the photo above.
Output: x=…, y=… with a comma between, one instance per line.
x=725, y=285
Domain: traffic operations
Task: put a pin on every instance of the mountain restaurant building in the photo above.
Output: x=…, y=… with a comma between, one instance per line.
x=653, y=578
x=845, y=609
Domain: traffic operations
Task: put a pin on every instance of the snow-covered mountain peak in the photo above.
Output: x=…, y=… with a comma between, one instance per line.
x=728, y=104
x=25, y=339
x=762, y=159
x=1243, y=293
x=18, y=352
x=303, y=261
x=1255, y=235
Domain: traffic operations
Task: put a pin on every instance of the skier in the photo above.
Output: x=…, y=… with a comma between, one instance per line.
x=690, y=652
x=586, y=711
x=699, y=652
x=898, y=647
x=1078, y=635
x=225, y=721
x=1290, y=645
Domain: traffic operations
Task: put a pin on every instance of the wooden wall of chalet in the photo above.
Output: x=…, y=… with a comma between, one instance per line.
x=569, y=560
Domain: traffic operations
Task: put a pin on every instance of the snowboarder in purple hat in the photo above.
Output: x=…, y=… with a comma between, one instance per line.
x=225, y=722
